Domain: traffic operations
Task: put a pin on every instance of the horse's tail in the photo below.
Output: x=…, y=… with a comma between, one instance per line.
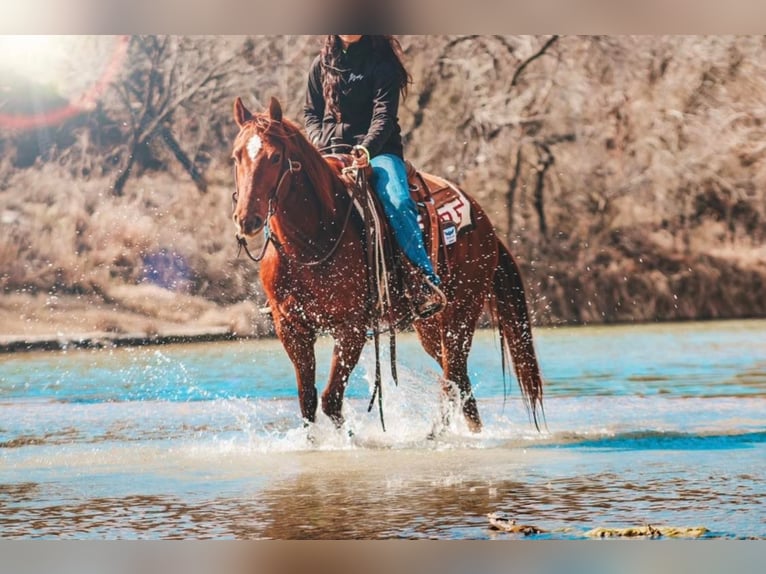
x=512, y=317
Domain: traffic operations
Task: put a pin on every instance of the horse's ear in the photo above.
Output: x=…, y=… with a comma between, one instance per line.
x=241, y=114
x=275, y=110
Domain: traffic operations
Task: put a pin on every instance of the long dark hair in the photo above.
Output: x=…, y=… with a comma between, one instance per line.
x=383, y=47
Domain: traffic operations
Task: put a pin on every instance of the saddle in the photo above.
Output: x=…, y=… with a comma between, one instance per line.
x=443, y=210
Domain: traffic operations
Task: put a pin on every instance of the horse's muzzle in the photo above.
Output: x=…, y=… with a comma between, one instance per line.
x=249, y=227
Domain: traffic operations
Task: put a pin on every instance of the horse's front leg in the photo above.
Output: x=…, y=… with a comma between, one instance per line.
x=348, y=346
x=299, y=342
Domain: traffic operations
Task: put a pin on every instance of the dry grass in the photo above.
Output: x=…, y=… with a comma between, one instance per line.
x=23, y=315
x=76, y=259
x=71, y=235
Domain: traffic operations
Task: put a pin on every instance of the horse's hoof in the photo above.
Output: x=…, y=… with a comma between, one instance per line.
x=311, y=438
x=338, y=421
x=437, y=431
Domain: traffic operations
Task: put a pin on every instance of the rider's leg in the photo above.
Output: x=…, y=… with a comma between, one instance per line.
x=390, y=184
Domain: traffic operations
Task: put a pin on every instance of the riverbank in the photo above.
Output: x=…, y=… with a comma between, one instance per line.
x=103, y=340
x=130, y=316
x=58, y=323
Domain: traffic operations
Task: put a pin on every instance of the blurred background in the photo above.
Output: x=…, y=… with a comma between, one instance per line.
x=626, y=173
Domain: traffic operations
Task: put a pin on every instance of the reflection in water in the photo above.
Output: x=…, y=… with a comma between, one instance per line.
x=370, y=495
x=342, y=507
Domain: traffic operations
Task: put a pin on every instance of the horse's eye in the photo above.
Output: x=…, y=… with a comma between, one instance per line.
x=276, y=157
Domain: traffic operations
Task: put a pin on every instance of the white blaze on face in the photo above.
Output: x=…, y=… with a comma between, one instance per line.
x=254, y=146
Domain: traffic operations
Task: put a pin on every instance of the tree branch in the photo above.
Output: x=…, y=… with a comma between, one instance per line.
x=552, y=40
x=183, y=159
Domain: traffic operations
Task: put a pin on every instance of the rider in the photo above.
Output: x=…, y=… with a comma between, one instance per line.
x=353, y=98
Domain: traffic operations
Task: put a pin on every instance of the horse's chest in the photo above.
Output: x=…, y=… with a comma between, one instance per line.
x=318, y=299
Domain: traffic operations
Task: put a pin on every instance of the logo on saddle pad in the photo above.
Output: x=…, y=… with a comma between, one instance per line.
x=453, y=210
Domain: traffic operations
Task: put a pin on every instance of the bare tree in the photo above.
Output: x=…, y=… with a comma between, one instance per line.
x=168, y=77
x=495, y=94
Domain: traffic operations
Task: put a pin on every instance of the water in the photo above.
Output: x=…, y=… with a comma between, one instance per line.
x=659, y=424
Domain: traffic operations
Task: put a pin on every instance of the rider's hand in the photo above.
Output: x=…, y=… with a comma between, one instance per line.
x=361, y=157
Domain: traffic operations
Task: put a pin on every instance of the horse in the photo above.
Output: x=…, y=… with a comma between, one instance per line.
x=314, y=272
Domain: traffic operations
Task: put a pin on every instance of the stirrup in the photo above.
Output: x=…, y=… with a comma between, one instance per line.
x=429, y=310
x=431, y=307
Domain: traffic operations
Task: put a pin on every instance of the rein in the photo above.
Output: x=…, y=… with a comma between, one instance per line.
x=242, y=244
x=379, y=296
x=330, y=252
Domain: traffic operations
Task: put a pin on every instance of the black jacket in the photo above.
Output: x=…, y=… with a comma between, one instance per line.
x=369, y=102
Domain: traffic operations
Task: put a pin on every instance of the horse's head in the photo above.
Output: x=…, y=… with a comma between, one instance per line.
x=260, y=166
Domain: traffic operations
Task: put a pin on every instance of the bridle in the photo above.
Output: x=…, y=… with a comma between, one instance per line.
x=292, y=167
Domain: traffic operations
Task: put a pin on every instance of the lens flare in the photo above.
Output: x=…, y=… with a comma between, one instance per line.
x=65, y=66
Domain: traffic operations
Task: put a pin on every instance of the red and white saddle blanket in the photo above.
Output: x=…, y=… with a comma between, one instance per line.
x=449, y=203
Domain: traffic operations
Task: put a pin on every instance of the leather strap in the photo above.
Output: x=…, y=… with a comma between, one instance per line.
x=433, y=219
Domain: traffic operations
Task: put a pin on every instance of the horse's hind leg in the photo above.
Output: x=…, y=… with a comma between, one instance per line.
x=457, y=330
x=456, y=372
x=348, y=347
x=448, y=340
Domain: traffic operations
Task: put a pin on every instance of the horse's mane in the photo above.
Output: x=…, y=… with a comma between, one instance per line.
x=322, y=177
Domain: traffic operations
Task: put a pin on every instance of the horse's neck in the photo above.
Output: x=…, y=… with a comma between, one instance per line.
x=310, y=218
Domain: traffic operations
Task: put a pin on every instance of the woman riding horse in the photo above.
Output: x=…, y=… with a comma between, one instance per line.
x=314, y=272
x=352, y=99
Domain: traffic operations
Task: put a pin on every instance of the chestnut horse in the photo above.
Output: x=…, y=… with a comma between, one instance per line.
x=314, y=271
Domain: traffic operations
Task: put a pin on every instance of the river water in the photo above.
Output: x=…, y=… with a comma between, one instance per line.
x=660, y=424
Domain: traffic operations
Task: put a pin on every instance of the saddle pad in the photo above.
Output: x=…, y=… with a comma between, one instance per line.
x=451, y=204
